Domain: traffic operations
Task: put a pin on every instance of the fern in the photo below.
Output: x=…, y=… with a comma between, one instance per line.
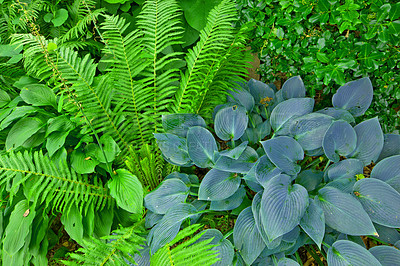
x=55, y=185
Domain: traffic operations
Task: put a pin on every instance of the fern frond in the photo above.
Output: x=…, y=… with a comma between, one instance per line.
x=56, y=185
x=116, y=249
x=208, y=52
x=160, y=25
x=81, y=27
x=182, y=252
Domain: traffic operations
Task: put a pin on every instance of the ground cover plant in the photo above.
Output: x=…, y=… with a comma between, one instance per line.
x=330, y=42
x=290, y=176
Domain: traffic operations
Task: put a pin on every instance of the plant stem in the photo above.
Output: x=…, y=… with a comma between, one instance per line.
x=327, y=164
x=314, y=255
x=298, y=258
x=232, y=143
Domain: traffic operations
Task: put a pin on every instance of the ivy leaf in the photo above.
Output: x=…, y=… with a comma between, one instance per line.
x=127, y=190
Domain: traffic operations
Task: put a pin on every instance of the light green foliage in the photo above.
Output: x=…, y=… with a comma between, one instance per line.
x=330, y=42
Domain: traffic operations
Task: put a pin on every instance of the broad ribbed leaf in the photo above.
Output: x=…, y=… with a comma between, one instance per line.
x=260, y=91
x=218, y=185
x=16, y=113
x=369, y=141
x=224, y=248
x=293, y=88
x=287, y=262
x=282, y=206
x=201, y=146
x=22, y=131
x=338, y=114
x=354, y=96
x=344, y=169
x=242, y=97
x=110, y=149
x=391, y=146
x=246, y=237
x=388, y=170
x=265, y=170
x=386, y=234
x=73, y=225
x=168, y=194
x=241, y=165
x=127, y=190
x=309, y=130
x=174, y=149
x=256, y=209
x=343, y=212
x=284, y=152
x=231, y=122
x=235, y=152
x=287, y=110
x=313, y=222
x=38, y=95
x=344, y=252
x=230, y=203
x=339, y=140
x=309, y=179
x=166, y=230
x=18, y=227
x=380, y=201
x=386, y=255
x=179, y=124
x=152, y=218
x=82, y=163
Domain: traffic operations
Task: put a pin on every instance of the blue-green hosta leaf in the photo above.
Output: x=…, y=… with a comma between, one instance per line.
x=169, y=193
x=391, y=146
x=369, y=141
x=316, y=152
x=174, y=149
x=282, y=206
x=313, y=222
x=235, y=152
x=143, y=257
x=309, y=130
x=231, y=122
x=38, y=95
x=265, y=170
x=287, y=262
x=293, y=88
x=354, y=96
x=344, y=184
x=246, y=237
x=292, y=235
x=339, y=140
x=260, y=91
x=388, y=170
x=386, y=234
x=179, y=124
x=181, y=176
x=380, y=201
x=218, y=185
x=284, y=152
x=152, y=219
x=287, y=110
x=343, y=212
x=310, y=179
x=166, y=230
x=242, y=97
x=344, y=252
x=386, y=255
x=241, y=165
x=224, y=248
x=230, y=203
x=338, y=114
x=127, y=190
x=355, y=239
x=256, y=209
x=201, y=146
x=18, y=227
x=344, y=169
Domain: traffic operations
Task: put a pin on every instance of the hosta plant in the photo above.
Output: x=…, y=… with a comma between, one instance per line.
x=293, y=177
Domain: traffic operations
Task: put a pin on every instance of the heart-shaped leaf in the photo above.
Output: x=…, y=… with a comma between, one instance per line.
x=313, y=222
x=224, y=248
x=127, y=190
x=388, y=170
x=265, y=170
x=235, y=152
x=369, y=141
x=231, y=122
x=83, y=163
x=218, y=185
x=241, y=165
x=344, y=169
x=380, y=201
x=246, y=237
x=354, y=96
x=285, y=111
x=174, y=149
x=179, y=124
x=344, y=252
x=110, y=149
x=242, y=97
x=284, y=151
x=261, y=92
x=343, y=212
x=386, y=255
x=338, y=114
x=201, y=146
x=282, y=206
x=38, y=95
x=293, y=88
x=340, y=140
x=230, y=203
x=391, y=146
x=309, y=130
x=169, y=193
x=287, y=262
x=60, y=17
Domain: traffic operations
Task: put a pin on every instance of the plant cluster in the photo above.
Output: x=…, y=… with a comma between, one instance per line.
x=292, y=176
x=336, y=41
